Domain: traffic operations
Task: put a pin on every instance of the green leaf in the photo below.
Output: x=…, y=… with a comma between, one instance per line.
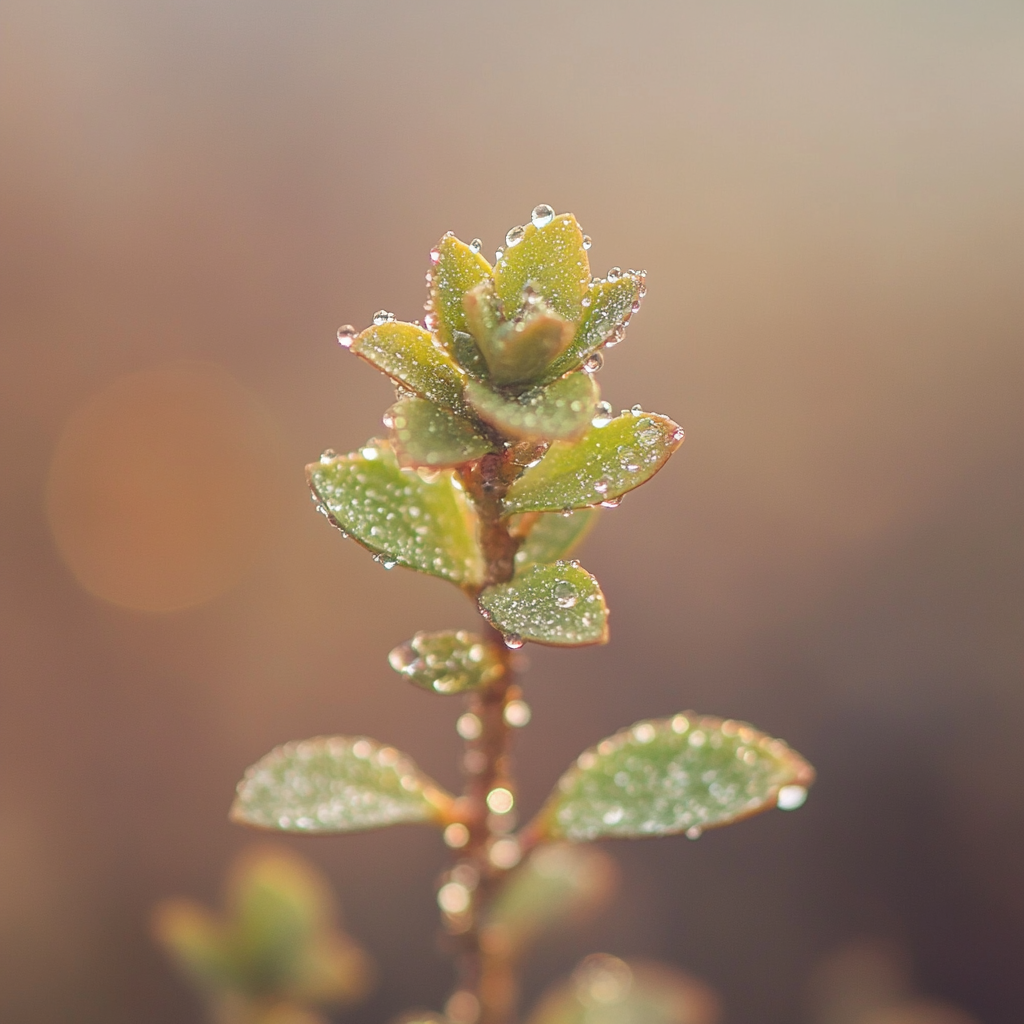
x=603, y=465
x=612, y=303
x=333, y=784
x=409, y=356
x=681, y=774
x=561, y=884
x=561, y=411
x=554, y=536
x=425, y=435
x=518, y=352
x=553, y=261
x=456, y=270
x=606, y=990
x=426, y=525
x=448, y=662
x=559, y=604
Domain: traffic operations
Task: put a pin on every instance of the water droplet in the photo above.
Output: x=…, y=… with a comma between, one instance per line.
x=388, y=561
x=517, y=713
x=791, y=797
x=602, y=980
x=513, y=641
x=515, y=235
x=637, y=410
x=585, y=301
x=462, y=1008
x=587, y=241
x=453, y=898
x=542, y=215
x=593, y=363
x=382, y=316
x=327, y=455
x=603, y=414
x=476, y=245
x=369, y=453
x=644, y=732
x=435, y=255
x=498, y=253
x=500, y=800
x=505, y=853
x=677, y=434
x=456, y=835
x=694, y=832
x=601, y=486
x=613, y=816
x=611, y=503
x=431, y=320
x=346, y=335
x=469, y=726
x=615, y=273
x=388, y=420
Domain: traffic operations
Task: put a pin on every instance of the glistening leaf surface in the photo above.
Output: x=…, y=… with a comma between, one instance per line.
x=555, y=536
x=426, y=435
x=335, y=784
x=671, y=775
x=602, y=465
x=447, y=662
x=408, y=355
x=426, y=526
x=551, y=259
x=559, y=604
x=561, y=411
x=457, y=270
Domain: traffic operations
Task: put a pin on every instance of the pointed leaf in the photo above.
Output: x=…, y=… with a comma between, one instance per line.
x=406, y=520
x=335, y=784
x=425, y=435
x=554, y=536
x=668, y=775
x=408, y=355
x=518, y=352
x=553, y=261
x=456, y=270
x=448, y=662
x=559, y=604
x=601, y=466
x=612, y=303
x=561, y=411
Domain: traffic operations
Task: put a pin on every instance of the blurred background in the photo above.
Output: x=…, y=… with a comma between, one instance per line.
x=828, y=199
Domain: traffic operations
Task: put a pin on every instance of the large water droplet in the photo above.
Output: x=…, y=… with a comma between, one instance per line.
x=601, y=486
x=382, y=316
x=476, y=245
x=498, y=253
x=565, y=594
x=587, y=242
x=513, y=641
x=603, y=414
x=611, y=503
x=593, y=363
x=791, y=797
x=327, y=455
x=515, y=235
x=517, y=713
x=346, y=335
x=615, y=273
x=542, y=215
x=435, y=255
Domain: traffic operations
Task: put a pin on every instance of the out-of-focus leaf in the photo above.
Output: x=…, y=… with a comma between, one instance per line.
x=601, y=466
x=278, y=1013
x=455, y=271
x=559, y=604
x=561, y=884
x=552, y=260
x=611, y=305
x=668, y=775
x=561, y=411
x=426, y=435
x=194, y=939
x=606, y=990
x=448, y=662
x=518, y=353
x=409, y=356
x=407, y=520
x=335, y=784
x=555, y=535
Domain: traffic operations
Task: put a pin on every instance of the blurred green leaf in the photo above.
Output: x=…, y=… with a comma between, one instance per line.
x=448, y=662
x=559, y=604
x=456, y=270
x=554, y=535
x=409, y=356
x=423, y=524
x=517, y=353
x=601, y=466
x=560, y=411
x=680, y=774
x=561, y=884
x=552, y=260
x=611, y=305
x=335, y=784
x=425, y=435
x=606, y=990
x=195, y=939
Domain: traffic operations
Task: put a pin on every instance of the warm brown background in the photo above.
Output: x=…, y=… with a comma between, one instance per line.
x=829, y=199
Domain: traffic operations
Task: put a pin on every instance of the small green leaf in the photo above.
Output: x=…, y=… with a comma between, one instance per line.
x=335, y=784
x=606, y=990
x=560, y=884
x=612, y=303
x=554, y=536
x=553, y=261
x=426, y=525
x=448, y=662
x=559, y=604
x=561, y=411
x=518, y=352
x=425, y=435
x=456, y=270
x=601, y=466
x=408, y=355
x=681, y=774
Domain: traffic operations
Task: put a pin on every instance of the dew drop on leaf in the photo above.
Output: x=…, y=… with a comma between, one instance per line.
x=327, y=455
x=564, y=594
x=593, y=363
x=381, y=317
x=603, y=414
x=346, y=335
x=513, y=641
x=791, y=797
x=515, y=235
x=476, y=245
x=542, y=215
x=587, y=242
x=614, y=274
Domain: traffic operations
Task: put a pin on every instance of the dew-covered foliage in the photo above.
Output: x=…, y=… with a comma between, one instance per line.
x=499, y=452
